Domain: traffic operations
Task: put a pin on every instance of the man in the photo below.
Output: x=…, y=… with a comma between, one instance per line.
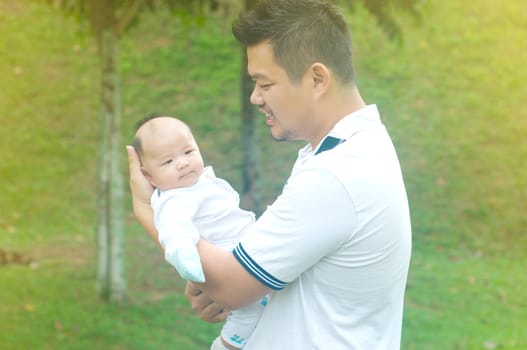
x=335, y=245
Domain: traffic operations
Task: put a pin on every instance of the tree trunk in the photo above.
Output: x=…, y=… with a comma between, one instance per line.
x=249, y=139
x=111, y=283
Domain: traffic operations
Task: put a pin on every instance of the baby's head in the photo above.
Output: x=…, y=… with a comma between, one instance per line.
x=168, y=152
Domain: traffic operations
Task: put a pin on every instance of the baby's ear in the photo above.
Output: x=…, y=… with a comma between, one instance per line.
x=145, y=173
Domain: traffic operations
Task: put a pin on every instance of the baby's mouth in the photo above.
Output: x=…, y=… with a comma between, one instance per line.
x=185, y=175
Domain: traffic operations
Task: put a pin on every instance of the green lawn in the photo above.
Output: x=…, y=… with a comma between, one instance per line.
x=451, y=96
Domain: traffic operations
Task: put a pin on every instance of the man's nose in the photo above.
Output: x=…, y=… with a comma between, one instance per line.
x=256, y=97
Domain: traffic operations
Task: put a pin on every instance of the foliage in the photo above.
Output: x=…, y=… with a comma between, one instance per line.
x=127, y=12
x=451, y=96
x=386, y=11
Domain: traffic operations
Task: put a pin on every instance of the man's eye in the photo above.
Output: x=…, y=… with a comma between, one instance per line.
x=262, y=86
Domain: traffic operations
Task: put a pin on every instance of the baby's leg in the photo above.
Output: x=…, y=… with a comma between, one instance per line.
x=241, y=324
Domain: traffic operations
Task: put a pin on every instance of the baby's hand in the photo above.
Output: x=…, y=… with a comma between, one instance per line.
x=185, y=258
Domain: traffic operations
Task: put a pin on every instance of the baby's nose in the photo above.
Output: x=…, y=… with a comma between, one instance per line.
x=182, y=164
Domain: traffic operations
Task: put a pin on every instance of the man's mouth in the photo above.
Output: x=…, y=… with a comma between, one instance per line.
x=269, y=119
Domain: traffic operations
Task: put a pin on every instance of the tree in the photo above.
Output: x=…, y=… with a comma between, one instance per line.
x=108, y=20
x=250, y=151
x=106, y=28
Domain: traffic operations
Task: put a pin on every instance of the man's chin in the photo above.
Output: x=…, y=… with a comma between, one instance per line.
x=279, y=136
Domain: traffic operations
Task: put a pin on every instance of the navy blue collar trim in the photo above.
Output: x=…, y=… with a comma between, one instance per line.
x=329, y=142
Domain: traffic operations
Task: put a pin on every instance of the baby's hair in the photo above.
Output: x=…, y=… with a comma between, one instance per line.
x=136, y=142
x=146, y=119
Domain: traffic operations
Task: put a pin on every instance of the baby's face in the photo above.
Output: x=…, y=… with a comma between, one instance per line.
x=171, y=157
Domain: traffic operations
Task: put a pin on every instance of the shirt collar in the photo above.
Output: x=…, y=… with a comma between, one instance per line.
x=345, y=128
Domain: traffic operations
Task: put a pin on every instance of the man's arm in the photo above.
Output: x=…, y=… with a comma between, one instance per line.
x=227, y=282
x=141, y=192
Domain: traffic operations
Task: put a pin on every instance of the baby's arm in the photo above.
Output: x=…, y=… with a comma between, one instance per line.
x=182, y=253
x=179, y=238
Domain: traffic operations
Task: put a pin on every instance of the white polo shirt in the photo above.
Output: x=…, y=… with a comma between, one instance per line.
x=209, y=208
x=335, y=246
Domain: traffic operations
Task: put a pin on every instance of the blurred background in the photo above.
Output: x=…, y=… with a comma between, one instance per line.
x=450, y=87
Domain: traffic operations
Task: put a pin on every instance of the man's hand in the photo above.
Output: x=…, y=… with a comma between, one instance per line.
x=140, y=187
x=141, y=190
x=203, y=306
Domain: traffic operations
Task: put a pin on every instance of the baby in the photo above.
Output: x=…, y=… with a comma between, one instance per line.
x=190, y=202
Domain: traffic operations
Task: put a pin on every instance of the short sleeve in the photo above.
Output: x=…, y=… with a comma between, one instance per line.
x=309, y=221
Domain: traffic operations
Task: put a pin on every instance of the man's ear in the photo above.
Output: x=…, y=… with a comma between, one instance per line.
x=321, y=77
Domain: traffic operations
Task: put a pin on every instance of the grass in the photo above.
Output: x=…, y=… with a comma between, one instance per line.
x=452, y=98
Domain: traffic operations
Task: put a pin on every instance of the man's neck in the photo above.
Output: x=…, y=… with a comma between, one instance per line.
x=339, y=105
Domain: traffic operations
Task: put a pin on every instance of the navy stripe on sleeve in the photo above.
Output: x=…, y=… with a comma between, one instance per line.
x=256, y=270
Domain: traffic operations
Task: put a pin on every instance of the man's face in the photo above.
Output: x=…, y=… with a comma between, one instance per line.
x=287, y=105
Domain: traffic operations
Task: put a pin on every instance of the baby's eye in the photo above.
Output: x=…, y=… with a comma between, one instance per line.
x=167, y=162
x=189, y=151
